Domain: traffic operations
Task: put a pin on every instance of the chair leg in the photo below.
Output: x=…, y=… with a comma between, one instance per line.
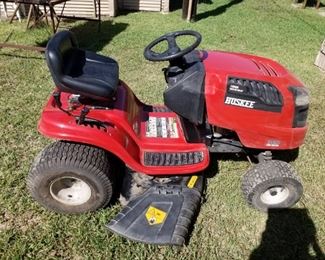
x=52, y=12
x=31, y=8
x=36, y=14
x=14, y=13
x=56, y=16
x=99, y=16
x=5, y=9
x=17, y=13
x=45, y=14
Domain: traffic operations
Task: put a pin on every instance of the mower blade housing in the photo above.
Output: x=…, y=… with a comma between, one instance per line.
x=162, y=215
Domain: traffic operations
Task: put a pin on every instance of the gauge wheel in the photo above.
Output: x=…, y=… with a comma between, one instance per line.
x=71, y=178
x=272, y=184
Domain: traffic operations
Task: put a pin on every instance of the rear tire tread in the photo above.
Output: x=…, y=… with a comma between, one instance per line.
x=62, y=154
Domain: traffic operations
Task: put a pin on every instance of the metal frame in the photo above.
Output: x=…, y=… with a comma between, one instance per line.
x=39, y=15
x=97, y=12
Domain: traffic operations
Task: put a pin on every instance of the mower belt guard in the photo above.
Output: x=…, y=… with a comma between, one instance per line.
x=163, y=214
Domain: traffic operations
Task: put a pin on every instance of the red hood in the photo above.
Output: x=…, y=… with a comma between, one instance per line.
x=247, y=66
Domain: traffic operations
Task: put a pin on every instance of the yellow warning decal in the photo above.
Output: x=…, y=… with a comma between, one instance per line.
x=192, y=181
x=155, y=216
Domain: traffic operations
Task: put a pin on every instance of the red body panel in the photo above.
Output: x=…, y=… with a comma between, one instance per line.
x=127, y=121
x=126, y=135
x=255, y=128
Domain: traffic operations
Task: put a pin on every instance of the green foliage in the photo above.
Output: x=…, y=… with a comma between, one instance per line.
x=226, y=227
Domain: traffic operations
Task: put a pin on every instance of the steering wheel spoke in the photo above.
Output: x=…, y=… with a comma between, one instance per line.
x=172, y=45
x=173, y=51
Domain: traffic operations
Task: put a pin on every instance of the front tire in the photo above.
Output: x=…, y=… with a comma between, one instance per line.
x=272, y=184
x=71, y=178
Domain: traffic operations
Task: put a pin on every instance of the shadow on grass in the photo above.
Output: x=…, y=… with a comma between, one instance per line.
x=177, y=4
x=213, y=168
x=90, y=38
x=289, y=234
x=87, y=35
x=219, y=10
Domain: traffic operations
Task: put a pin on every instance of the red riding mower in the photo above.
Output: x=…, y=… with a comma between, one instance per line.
x=215, y=102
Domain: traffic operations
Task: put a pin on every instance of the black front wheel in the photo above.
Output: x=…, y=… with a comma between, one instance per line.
x=71, y=178
x=272, y=184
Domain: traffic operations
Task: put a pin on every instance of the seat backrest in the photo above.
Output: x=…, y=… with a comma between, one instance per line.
x=56, y=49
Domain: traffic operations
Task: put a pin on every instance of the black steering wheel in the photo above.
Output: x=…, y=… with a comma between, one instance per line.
x=173, y=51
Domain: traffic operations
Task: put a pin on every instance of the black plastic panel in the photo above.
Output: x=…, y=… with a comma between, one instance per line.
x=301, y=112
x=172, y=159
x=300, y=118
x=185, y=92
x=253, y=94
x=176, y=204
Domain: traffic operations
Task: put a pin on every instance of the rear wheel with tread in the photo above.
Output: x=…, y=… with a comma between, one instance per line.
x=71, y=178
x=272, y=184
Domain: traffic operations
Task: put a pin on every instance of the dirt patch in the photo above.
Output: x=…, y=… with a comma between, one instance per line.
x=22, y=222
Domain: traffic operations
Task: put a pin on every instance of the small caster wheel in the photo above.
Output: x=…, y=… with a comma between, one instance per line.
x=272, y=184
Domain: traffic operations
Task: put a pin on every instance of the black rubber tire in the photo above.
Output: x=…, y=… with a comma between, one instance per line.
x=65, y=159
x=266, y=175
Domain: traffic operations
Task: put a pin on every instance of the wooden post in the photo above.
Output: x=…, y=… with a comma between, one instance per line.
x=189, y=12
x=185, y=9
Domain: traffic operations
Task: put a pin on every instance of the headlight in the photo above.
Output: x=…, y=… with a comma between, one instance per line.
x=301, y=96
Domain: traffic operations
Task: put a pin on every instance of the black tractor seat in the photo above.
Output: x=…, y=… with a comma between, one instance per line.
x=81, y=72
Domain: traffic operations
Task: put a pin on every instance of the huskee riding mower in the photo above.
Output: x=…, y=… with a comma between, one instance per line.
x=215, y=102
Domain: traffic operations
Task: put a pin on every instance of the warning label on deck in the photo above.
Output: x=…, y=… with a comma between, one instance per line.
x=155, y=216
x=164, y=127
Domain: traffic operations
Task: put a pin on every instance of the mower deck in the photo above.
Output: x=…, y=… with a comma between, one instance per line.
x=163, y=214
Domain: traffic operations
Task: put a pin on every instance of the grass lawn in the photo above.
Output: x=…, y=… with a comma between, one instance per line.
x=226, y=227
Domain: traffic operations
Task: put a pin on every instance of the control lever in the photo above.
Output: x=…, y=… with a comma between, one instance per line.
x=57, y=98
x=85, y=110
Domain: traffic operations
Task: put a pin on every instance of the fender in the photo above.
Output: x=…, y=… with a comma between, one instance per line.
x=57, y=125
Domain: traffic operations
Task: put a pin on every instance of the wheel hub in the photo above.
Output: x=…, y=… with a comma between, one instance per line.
x=275, y=195
x=70, y=191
